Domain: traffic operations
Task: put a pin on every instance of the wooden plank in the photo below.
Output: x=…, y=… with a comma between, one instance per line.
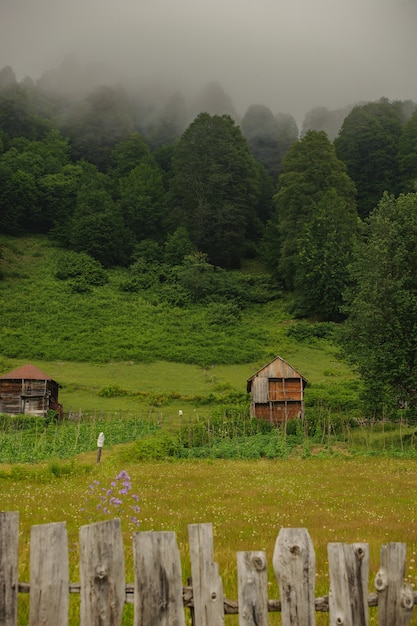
x=102, y=574
x=294, y=564
x=395, y=599
x=158, y=580
x=207, y=584
x=49, y=575
x=9, y=567
x=260, y=390
x=349, y=571
x=252, y=589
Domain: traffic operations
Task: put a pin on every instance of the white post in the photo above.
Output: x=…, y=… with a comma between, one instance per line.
x=100, y=444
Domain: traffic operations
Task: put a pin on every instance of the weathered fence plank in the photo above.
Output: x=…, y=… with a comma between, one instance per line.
x=9, y=567
x=207, y=584
x=348, y=595
x=294, y=564
x=49, y=575
x=395, y=599
x=158, y=580
x=160, y=599
x=102, y=574
x=252, y=588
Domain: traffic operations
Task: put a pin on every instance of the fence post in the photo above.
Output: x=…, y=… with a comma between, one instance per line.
x=348, y=595
x=207, y=584
x=252, y=589
x=9, y=567
x=158, y=579
x=294, y=564
x=102, y=574
x=395, y=599
x=49, y=575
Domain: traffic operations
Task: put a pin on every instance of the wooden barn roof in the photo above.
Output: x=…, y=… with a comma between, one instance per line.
x=296, y=372
x=26, y=372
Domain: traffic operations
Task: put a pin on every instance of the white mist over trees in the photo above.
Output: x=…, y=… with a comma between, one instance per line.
x=291, y=56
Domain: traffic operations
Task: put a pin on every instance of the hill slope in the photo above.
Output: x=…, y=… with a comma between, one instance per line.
x=116, y=350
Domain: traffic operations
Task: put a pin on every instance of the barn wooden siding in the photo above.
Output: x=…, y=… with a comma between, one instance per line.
x=29, y=391
x=159, y=597
x=277, y=392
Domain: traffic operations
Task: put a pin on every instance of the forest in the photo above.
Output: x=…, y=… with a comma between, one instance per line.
x=184, y=198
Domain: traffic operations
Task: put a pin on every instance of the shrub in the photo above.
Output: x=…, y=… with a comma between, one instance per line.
x=80, y=285
x=304, y=331
x=160, y=445
x=112, y=391
x=81, y=267
x=223, y=314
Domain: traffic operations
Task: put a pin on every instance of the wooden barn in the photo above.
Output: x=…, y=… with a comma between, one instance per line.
x=28, y=390
x=277, y=392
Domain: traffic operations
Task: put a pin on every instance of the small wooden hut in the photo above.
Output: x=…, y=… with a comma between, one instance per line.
x=29, y=391
x=277, y=392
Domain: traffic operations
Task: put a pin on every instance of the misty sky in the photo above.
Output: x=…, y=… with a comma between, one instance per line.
x=291, y=55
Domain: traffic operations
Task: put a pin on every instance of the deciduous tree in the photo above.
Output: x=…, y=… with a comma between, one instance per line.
x=380, y=335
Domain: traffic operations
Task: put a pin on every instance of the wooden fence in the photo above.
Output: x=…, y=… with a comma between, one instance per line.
x=158, y=594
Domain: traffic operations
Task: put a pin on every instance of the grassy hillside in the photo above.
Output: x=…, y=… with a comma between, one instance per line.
x=111, y=350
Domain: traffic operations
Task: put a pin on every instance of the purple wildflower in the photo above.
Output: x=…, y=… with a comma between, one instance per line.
x=113, y=500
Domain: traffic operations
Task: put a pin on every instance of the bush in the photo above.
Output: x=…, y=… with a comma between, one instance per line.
x=303, y=331
x=160, y=445
x=80, y=267
x=112, y=391
x=223, y=314
x=80, y=285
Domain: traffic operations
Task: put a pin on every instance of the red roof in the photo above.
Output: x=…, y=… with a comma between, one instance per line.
x=26, y=372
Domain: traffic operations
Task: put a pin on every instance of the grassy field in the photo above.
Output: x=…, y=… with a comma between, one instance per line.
x=336, y=498
x=165, y=387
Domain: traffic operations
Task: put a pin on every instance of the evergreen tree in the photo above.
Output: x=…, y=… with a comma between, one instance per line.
x=96, y=127
x=368, y=145
x=215, y=187
x=142, y=197
x=310, y=234
x=407, y=155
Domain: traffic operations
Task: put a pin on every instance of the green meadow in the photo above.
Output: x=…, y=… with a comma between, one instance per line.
x=337, y=498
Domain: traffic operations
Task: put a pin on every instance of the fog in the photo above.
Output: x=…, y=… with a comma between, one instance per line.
x=291, y=55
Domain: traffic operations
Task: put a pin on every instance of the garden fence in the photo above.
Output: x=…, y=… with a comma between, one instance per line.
x=158, y=594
